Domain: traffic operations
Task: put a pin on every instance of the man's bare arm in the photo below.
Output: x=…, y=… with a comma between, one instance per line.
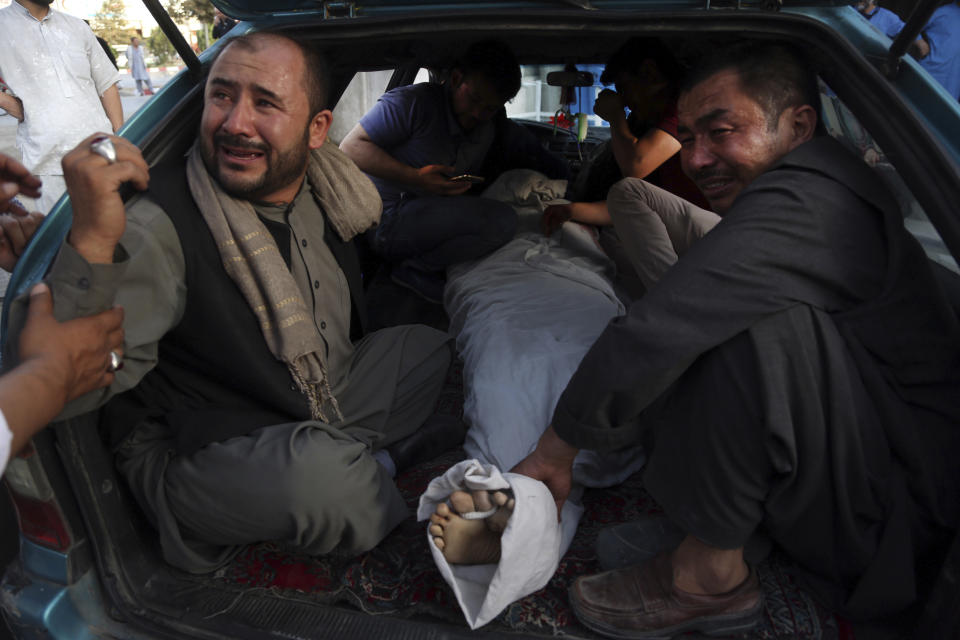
x=919, y=49
x=113, y=107
x=17, y=225
x=12, y=105
x=636, y=157
x=434, y=178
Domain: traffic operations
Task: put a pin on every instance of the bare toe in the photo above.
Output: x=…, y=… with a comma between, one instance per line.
x=460, y=540
x=462, y=502
x=481, y=501
x=498, y=521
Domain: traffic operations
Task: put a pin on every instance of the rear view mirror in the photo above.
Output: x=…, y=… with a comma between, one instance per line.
x=570, y=79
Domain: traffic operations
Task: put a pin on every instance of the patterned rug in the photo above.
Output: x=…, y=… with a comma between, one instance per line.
x=399, y=576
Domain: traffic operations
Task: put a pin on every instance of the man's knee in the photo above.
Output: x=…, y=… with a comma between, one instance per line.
x=635, y=197
x=627, y=191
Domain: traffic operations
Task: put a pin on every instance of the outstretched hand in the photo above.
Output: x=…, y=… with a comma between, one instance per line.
x=73, y=356
x=15, y=180
x=94, y=185
x=553, y=218
x=435, y=178
x=17, y=225
x=552, y=464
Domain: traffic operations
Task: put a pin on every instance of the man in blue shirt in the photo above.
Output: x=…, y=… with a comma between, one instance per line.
x=414, y=143
x=942, y=34
x=885, y=20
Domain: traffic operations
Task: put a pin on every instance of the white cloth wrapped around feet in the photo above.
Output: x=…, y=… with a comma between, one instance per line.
x=531, y=544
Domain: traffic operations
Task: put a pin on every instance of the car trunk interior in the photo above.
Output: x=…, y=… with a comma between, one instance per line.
x=395, y=591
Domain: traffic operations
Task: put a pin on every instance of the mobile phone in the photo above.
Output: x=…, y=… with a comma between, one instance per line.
x=467, y=177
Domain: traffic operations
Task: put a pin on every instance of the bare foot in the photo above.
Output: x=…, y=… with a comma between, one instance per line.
x=700, y=568
x=467, y=541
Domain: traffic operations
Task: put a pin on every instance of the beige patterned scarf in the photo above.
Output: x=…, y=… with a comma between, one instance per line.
x=251, y=258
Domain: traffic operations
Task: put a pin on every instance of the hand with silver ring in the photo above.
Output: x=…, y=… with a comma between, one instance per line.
x=103, y=147
x=116, y=362
x=99, y=215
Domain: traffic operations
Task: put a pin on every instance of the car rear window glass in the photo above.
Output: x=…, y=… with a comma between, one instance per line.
x=359, y=96
x=844, y=126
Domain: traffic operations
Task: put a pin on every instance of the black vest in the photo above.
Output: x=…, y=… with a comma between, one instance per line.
x=216, y=378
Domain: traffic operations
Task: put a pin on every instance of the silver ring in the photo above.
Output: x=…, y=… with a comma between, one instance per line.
x=116, y=362
x=104, y=148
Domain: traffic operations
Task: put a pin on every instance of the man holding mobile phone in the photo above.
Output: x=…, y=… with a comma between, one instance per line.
x=423, y=145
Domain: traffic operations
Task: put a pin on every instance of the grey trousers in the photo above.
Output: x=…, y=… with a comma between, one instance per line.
x=775, y=428
x=310, y=485
x=653, y=229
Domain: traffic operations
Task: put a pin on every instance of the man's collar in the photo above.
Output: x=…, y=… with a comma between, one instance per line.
x=284, y=207
x=26, y=11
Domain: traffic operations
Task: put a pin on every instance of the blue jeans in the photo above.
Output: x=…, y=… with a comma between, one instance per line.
x=437, y=231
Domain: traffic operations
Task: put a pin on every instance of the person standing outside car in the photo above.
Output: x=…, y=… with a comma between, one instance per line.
x=106, y=48
x=887, y=21
x=417, y=144
x=63, y=88
x=890, y=25
x=941, y=56
x=222, y=24
x=138, y=68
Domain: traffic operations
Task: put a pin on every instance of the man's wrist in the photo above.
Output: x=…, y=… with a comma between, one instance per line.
x=555, y=449
x=50, y=374
x=94, y=249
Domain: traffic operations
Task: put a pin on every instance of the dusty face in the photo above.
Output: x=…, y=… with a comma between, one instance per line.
x=473, y=99
x=725, y=139
x=256, y=131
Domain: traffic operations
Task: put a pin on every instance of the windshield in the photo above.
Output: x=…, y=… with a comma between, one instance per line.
x=540, y=102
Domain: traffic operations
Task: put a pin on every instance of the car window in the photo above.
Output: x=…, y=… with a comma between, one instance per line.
x=540, y=102
x=361, y=94
x=844, y=126
x=535, y=101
